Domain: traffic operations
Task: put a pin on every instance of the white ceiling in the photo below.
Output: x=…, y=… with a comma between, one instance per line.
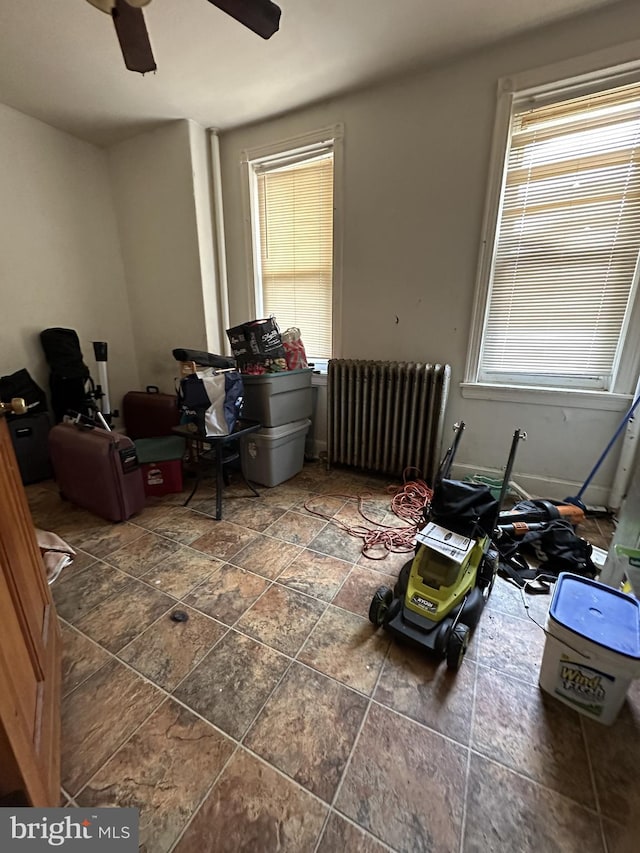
x=60, y=60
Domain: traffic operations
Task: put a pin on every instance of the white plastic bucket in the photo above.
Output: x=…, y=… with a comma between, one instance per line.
x=592, y=650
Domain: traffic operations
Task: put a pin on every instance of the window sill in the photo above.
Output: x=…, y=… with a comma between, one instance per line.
x=579, y=399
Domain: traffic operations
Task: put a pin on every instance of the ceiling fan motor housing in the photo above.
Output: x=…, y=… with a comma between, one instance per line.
x=108, y=5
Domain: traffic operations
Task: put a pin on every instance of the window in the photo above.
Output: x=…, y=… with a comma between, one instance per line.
x=293, y=248
x=556, y=294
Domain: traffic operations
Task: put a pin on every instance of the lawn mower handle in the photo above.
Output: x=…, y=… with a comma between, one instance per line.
x=447, y=460
x=517, y=436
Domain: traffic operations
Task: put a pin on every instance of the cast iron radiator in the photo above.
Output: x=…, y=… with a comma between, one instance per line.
x=384, y=416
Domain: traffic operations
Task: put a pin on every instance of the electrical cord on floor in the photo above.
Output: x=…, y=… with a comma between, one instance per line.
x=409, y=503
x=411, y=498
x=537, y=580
x=545, y=579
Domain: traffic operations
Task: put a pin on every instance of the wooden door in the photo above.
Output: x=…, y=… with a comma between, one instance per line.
x=29, y=651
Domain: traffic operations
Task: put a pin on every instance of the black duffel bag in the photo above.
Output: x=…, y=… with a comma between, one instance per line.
x=556, y=548
x=20, y=384
x=206, y=359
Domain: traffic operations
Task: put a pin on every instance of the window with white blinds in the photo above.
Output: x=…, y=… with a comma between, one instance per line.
x=565, y=261
x=293, y=229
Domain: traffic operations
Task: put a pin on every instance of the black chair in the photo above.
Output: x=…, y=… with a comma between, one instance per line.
x=216, y=452
x=219, y=450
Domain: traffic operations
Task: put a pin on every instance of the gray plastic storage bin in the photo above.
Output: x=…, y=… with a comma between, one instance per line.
x=271, y=456
x=275, y=399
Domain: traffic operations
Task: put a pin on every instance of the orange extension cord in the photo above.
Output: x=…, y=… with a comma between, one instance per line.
x=408, y=503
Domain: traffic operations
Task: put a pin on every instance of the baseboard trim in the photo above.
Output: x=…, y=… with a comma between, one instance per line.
x=319, y=447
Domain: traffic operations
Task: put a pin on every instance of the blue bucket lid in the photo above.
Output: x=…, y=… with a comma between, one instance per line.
x=600, y=613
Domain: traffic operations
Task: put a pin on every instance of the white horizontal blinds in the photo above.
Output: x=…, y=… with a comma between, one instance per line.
x=295, y=211
x=567, y=242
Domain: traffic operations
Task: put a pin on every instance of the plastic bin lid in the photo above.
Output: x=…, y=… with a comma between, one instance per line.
x=271, y=433
x=263, y=377
x=597, y=612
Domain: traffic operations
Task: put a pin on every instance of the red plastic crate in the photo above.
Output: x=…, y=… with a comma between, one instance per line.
x=162, y=478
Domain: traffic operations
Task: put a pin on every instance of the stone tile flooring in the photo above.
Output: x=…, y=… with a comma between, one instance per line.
x=277, y=719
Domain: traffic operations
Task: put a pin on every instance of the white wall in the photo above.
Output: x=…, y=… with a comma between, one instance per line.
x=60, y=262
x=416, y=159
x=166, y=245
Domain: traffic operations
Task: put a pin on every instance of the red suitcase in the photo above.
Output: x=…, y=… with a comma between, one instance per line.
x=149, y=414
x=97, y=470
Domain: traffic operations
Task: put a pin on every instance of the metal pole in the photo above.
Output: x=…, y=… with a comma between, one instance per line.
x=620, y=482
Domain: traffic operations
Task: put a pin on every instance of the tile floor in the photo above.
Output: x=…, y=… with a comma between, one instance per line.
x=276, y=719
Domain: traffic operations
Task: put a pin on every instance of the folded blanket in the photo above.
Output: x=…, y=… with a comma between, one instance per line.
x=56, y=553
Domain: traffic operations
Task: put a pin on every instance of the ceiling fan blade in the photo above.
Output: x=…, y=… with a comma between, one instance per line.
x=133, y=37
x=261, y=16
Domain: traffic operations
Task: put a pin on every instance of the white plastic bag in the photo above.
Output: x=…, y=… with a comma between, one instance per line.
x=215, y=422
x=294, y=349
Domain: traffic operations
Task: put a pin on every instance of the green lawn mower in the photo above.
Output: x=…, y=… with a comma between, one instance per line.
x=439, y=596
